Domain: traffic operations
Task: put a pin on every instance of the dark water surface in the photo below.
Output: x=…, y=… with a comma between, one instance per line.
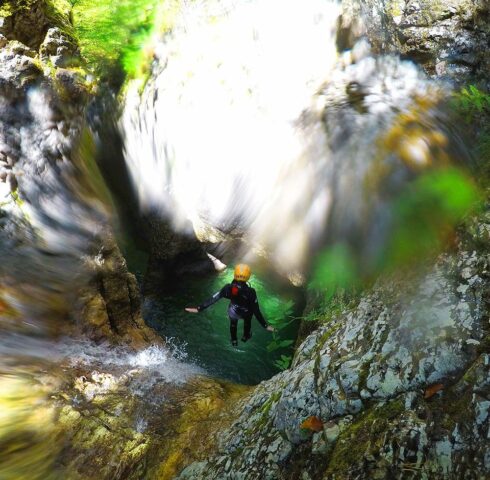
x=207, y=336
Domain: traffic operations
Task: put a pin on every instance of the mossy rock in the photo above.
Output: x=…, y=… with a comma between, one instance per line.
x=362, y=438
x=28, y=445
x=206, y=412
x=28, y=21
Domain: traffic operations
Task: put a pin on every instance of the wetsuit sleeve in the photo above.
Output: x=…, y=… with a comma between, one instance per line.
x=223, y=293
x=258, y=313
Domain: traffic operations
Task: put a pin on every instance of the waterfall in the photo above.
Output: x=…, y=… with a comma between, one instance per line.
x=253, y=125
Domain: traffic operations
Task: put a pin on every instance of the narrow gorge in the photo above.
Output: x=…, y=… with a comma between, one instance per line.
x=338, y=147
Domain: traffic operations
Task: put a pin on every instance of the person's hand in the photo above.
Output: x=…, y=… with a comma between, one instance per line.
x=192, y=310
x=270, y=328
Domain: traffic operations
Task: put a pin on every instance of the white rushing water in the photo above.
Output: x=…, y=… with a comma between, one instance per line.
x=142, y=369
x=253, y=124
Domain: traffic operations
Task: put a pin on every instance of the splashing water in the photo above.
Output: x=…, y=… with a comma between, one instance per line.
x=253, y=125
x=166, y=362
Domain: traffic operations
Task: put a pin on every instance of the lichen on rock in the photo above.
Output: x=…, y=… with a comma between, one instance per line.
x=367, y=382
x=45, y=90
x=448, y=38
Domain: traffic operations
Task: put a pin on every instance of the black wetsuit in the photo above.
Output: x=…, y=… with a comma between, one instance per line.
x=243, y=304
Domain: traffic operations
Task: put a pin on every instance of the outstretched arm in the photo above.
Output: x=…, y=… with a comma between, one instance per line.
x=209, y=301
x=260, y=317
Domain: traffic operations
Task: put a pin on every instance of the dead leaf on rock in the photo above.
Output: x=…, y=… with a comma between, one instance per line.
x=432, y=390
x=312, y=423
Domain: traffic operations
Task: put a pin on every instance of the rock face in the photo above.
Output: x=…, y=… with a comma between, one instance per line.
x=171, y=255
x=111, y=306
x=448, y=38
x=55, y=224
x=59, y=48
x=28, y=21
x=399, y=387
x=117, y=425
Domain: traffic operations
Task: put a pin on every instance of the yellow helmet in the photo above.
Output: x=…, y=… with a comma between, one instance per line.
x=242, y=272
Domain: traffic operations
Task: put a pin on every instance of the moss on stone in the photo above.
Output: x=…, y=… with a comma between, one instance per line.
x=27, y=440
x=394, y=8
x=59, y=11
x=265, y=409
x=362, y=437
x=328, y=334
x=363, y=375
x=96, y=433
x=451, y=408
x=206, y=412
x=31, y=19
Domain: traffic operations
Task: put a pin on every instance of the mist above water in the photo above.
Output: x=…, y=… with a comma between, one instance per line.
x=253, y=125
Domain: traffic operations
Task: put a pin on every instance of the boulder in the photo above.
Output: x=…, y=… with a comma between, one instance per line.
x=448, y=38
x=401, y=381
x=59, y=49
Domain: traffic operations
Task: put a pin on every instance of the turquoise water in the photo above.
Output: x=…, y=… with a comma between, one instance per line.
x=206, y=336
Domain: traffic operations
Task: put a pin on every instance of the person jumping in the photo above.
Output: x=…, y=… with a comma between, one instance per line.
x=243, y=304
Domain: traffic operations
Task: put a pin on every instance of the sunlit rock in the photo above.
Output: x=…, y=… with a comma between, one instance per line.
x=285, y=159
x=366, y=375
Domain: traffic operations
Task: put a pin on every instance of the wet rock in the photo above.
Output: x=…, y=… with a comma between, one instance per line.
x=72, y=85
x=111, y=308
x=364, y=376
x=59, y=49
x=30, y=20
x=449, y=39
x=100, y=414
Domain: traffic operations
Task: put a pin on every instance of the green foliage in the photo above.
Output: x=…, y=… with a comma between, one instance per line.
x=276, y=344
x=284, y=362
x=472, y=102
x=111, y=32
x=6, y=9
x=328, y=308
x=335, y=269
x=473, y=106
x=335, y=281
x=426, y=213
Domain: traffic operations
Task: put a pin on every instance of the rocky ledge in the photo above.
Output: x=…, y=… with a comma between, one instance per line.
x=55, y=212
x=448, y=38
x=398, y=387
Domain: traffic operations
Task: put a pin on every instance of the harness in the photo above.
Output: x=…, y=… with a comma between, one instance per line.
x=240, y=298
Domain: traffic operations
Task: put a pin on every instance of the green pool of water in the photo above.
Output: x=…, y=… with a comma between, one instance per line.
x=207, y=335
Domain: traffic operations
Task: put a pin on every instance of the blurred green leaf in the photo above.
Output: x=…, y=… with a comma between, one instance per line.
x=111, y=32
x=334, y=268
x=284, y=362
x=426, y=214
x=277, y=344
